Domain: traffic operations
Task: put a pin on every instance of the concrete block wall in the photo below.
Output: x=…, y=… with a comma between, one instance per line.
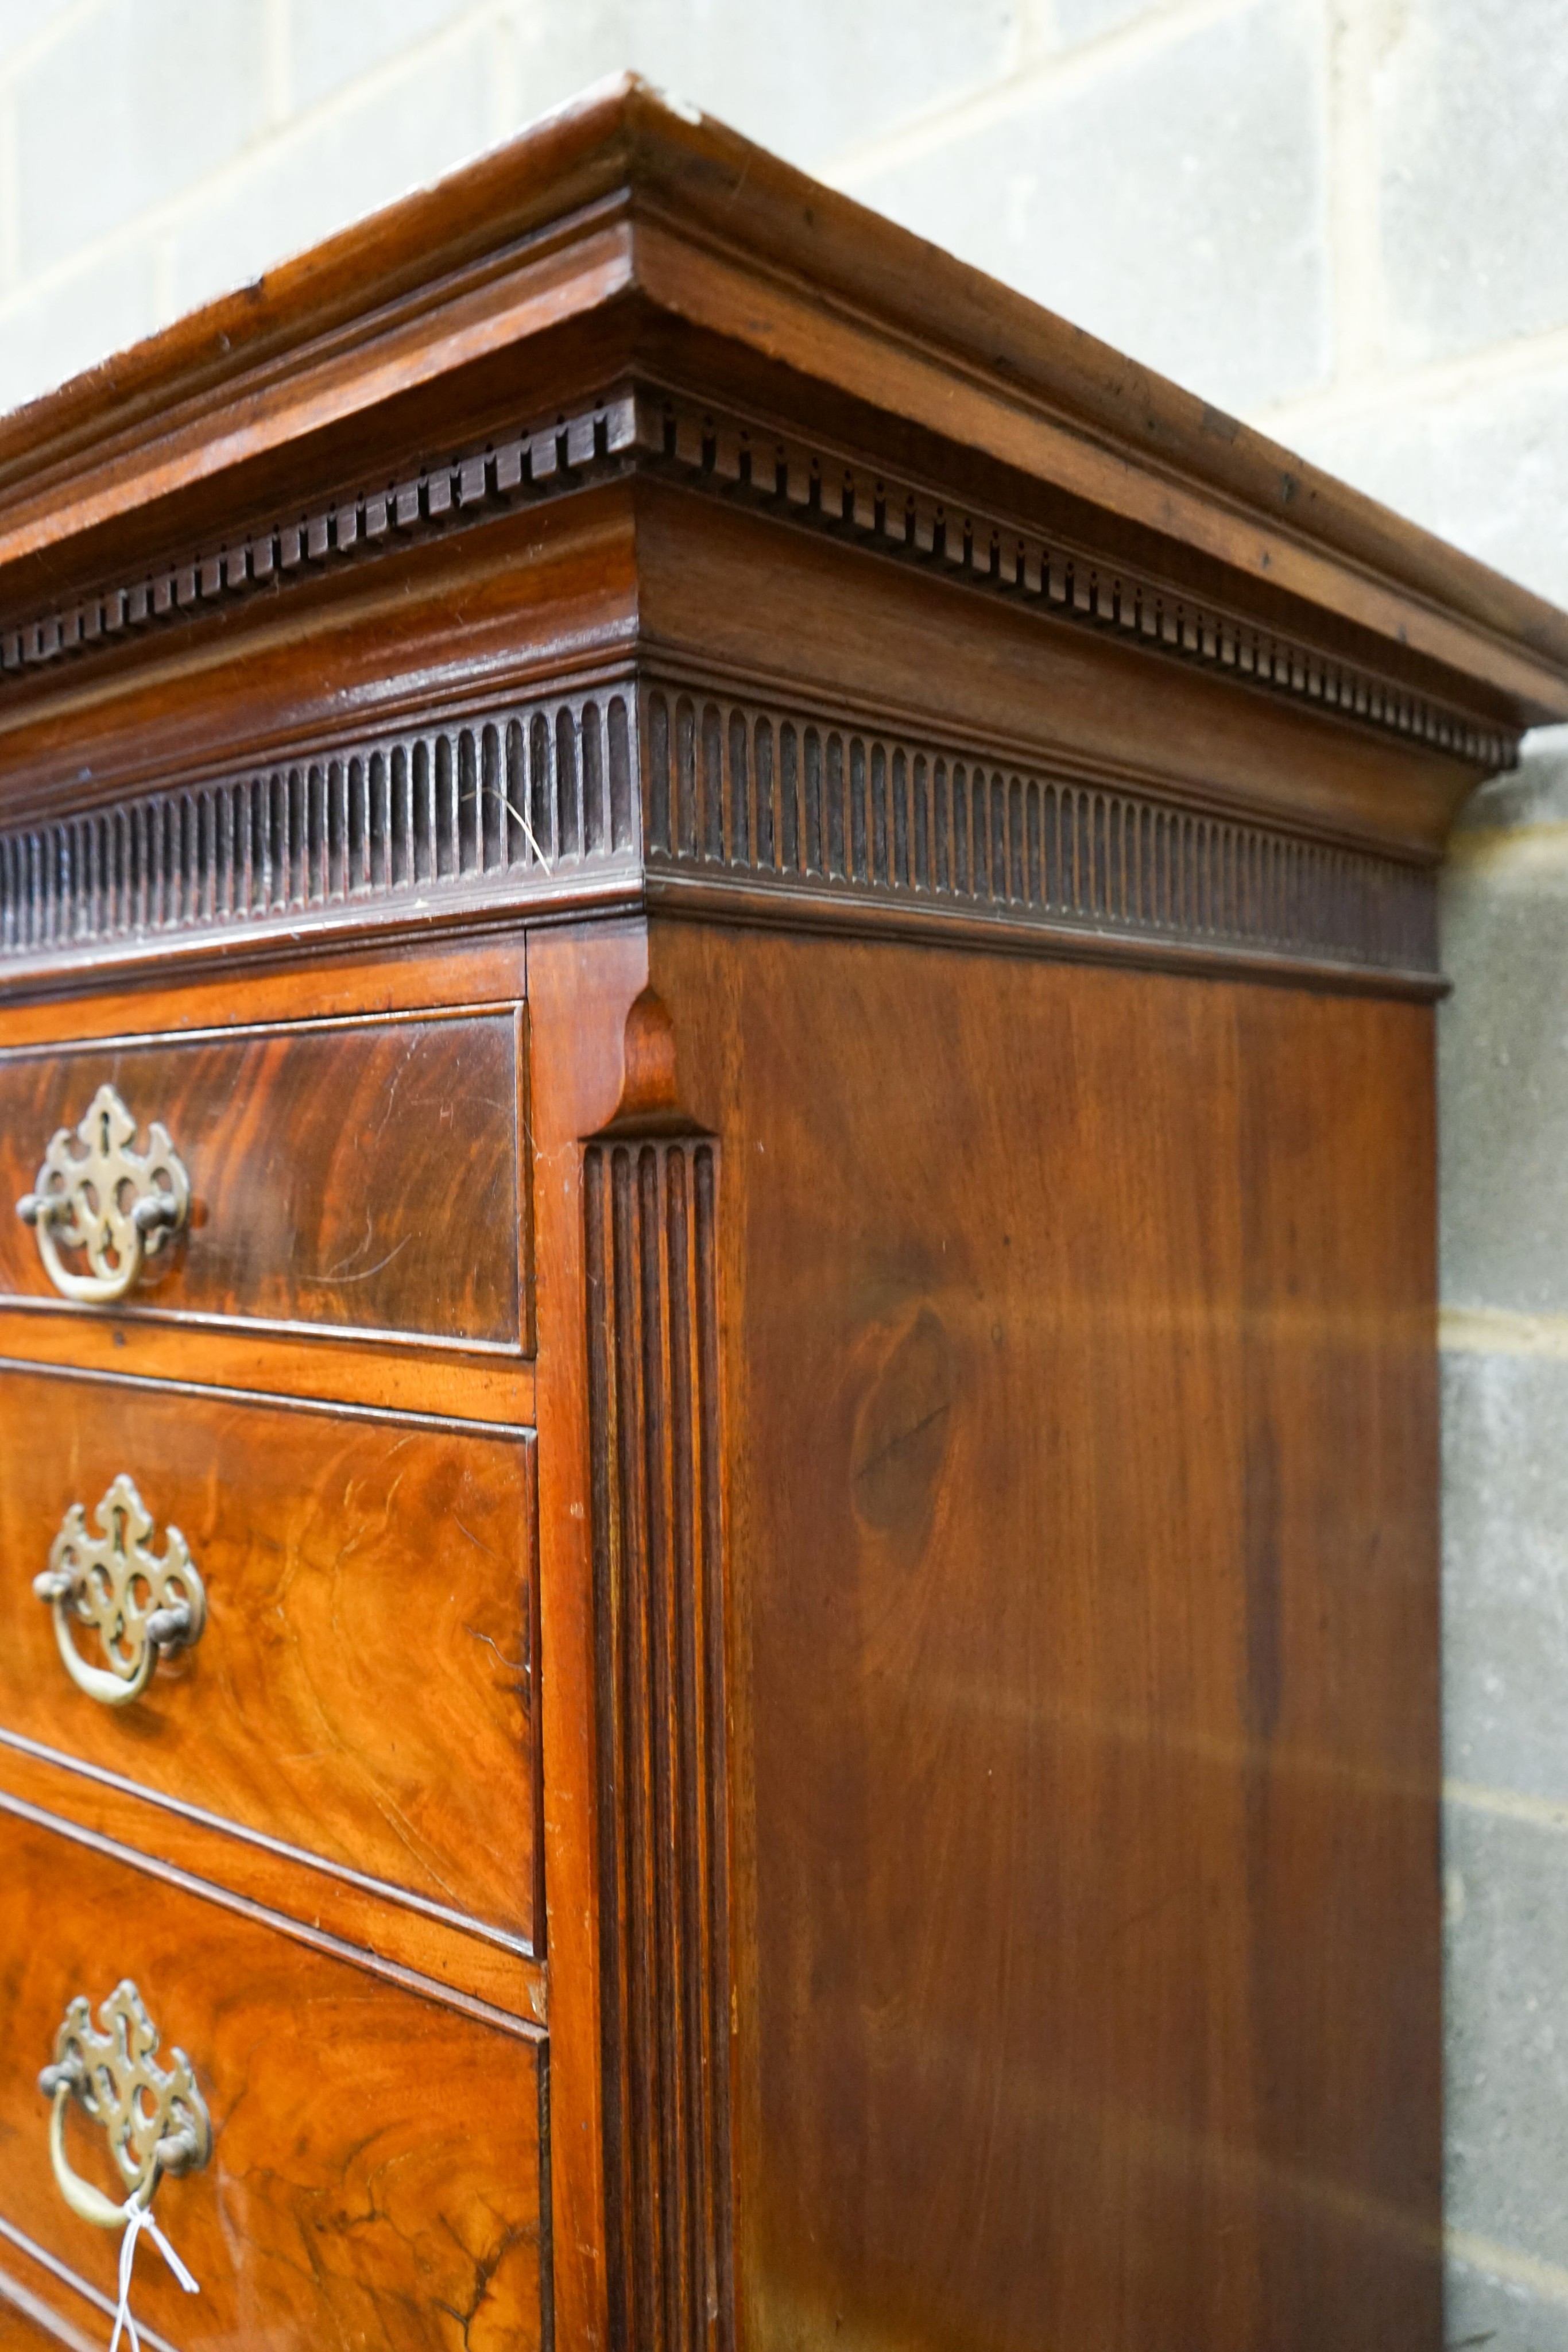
x=1347, y=220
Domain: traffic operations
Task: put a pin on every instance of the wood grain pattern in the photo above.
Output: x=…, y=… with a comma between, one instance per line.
x=982, y=1699
x=316, y=1362
x=240, y=1358
x=404, y=1936
x=660, y=1602
x=583, y=984
x=364, y=1685
x=376, y=2170
x=1081, y=1449
x=478, y=972
x=296, y=1220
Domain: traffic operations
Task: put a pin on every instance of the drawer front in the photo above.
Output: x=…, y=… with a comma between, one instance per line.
x=26, y=2325
x=375, y=2173
x=361, y=1685
x=343, y=1176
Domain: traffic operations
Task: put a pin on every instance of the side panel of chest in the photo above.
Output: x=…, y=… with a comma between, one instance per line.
x=1083, y=1544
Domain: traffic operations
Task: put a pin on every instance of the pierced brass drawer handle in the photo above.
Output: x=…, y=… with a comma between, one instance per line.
x=157, y=2120
x=95, y=1193
x=140, y=1606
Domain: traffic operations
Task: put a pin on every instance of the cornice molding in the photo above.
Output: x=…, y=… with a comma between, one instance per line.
x=809, y=483
x=556, y=453
x=812, y=483
x=658, y=792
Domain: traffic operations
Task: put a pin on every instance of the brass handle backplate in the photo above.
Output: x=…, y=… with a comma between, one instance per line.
x=97, y=1195
x=156, y=2119
x=140, y=1606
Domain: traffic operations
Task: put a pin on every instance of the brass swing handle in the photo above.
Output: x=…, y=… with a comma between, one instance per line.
x=178, y=2151
x=141, y=1606
x=156, y=2119
x=97, y=1193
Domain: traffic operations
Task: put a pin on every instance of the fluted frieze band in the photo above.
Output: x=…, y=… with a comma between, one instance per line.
x=655, y=792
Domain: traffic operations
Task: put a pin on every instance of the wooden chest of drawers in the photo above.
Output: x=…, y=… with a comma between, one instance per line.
x=718, y=1479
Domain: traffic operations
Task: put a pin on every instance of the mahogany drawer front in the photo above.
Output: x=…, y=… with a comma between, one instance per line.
x=375, y=2173
x=344, y=1175
x=362, y=1686
x=25, y=2326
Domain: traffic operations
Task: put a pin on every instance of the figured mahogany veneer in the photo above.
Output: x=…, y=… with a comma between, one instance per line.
x=765, y=891
x=296, y=1219
x=380, y=2156
x=364, y=1685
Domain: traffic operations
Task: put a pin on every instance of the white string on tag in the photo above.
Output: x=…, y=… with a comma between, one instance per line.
x=137, y=2218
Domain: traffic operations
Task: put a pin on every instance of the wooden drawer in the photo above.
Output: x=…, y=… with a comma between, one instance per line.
x=363, y=1686
x=376, y=2176
x=344, y=1176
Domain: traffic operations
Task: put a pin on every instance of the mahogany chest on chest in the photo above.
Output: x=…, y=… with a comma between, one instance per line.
x=717, y=1441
